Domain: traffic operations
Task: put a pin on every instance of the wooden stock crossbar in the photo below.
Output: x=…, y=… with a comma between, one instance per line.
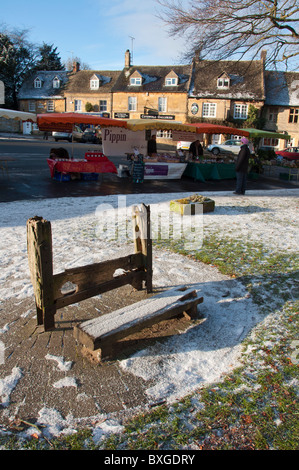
x=86, y=281
x=99, y=336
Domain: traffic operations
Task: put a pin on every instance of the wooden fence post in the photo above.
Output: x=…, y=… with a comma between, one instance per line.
x=39, y=247
x=143, y=240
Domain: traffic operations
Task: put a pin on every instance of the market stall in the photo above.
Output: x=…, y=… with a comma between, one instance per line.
x=210, y=171
x=15, y=121
x=162, y=165
x=125, y=137
x=90, y=168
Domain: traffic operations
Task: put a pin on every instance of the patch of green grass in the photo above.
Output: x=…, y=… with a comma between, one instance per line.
x=254, y=407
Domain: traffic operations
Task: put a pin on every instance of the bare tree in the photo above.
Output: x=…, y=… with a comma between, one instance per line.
x=222, y=29
x=71, y=60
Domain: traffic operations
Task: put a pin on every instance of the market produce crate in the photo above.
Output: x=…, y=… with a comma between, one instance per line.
x=189, y=205
x=89, y=176
x=61, y=176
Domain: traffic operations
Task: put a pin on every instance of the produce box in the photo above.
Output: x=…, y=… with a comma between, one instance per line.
x=61, y=176
x=188, y=206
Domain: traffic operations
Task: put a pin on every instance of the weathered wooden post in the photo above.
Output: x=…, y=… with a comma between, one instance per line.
x=39, y=247
x=143, y=240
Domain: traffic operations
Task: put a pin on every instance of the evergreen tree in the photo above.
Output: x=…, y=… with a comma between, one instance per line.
x=17, y=60
x=48, y=58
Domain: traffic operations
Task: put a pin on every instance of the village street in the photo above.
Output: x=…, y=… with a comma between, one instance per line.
x=29, y=176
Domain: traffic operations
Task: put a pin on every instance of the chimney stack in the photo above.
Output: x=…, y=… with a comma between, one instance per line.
x=127, y=59
x=76, y=67
x=263, y=56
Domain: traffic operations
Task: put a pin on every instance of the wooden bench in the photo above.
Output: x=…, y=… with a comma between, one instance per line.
x=99, y=335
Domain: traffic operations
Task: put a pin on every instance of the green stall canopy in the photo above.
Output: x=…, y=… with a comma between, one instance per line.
x=253, y=133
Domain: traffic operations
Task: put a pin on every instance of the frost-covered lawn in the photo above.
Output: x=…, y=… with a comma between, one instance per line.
x=232, y=383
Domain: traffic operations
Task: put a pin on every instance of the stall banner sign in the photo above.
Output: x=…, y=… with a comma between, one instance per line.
x=156, y=170
x=162, y=117
x=118, y=141
x=186, y=136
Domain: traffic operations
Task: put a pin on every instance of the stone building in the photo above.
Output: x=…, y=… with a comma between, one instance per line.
x=90, y=90
x=43, y=92
x=142, y=92
x=281, y=110
x=222, y=92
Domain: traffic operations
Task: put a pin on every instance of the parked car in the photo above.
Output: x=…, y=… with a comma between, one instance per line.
x=290, y=153
x=90, y=135
x=62, y=136
x=75, y=135
x=229, y=146
x=183, y=145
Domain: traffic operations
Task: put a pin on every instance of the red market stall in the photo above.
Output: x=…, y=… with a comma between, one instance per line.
x=94, y=163
x=121, y=137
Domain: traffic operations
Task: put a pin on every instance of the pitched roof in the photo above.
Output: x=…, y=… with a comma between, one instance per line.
x=28, y=90
x=282, y=88
x=79, y=82
x=154, y=79
x=246, y=79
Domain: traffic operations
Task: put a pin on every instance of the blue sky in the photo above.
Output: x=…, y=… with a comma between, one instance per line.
x=97, y=31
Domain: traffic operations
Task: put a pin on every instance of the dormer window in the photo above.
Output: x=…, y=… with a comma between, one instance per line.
x=95, y=82
x=56, y=82
x=171, y=81
x=223, y=81
x=37, y=83
x=135, y=81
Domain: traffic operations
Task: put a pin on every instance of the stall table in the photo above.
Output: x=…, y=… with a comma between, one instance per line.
x=89, y=166
x=210, y=171
x=161, y=170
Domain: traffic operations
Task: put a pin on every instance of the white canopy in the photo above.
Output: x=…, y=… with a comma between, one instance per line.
x=18, y=115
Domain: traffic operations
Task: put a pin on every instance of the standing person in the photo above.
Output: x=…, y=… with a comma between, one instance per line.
x=196, y=149
x=242, y=166
x=152, y=146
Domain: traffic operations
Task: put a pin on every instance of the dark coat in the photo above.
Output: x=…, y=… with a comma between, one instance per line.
x=243, y=159
x=196, y=150
x=151, y=146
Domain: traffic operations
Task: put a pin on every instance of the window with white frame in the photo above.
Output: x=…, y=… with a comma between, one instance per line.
x=240, y=111
x=165, y=134
x=94, y=84
x=78, y=105
x=223, y=82
x=294, y=115
x=270, y=142
x=31, y=106
x=132, y=103
x=50, y=106
x=56, y=82
x=209, y=110
x=103, y=105
x=135, y=81
x=171, y=81
x=37, y=83
x=162, y=104
x=273, y=114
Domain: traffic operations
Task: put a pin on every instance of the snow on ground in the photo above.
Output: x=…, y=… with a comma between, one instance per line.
x=87, y=230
